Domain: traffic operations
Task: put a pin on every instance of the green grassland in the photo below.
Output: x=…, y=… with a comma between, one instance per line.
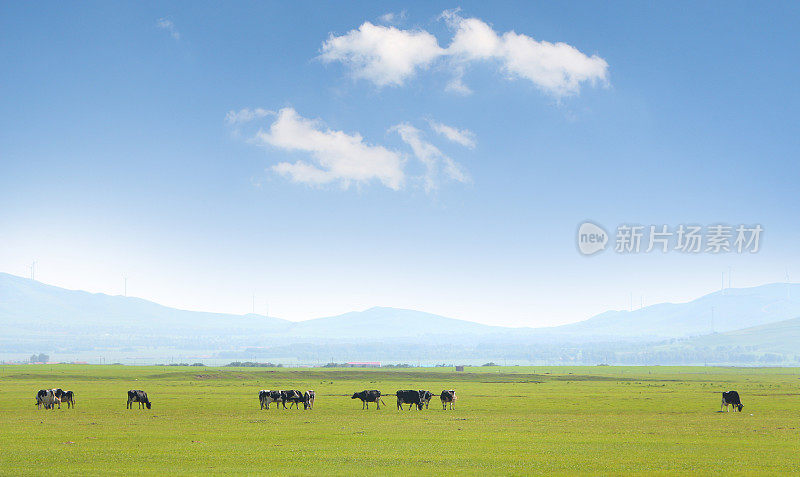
x=508, y=420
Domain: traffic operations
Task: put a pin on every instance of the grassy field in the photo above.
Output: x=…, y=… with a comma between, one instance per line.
x=514, y=420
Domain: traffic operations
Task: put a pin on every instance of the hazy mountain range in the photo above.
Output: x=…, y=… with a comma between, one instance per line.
x=36, y=317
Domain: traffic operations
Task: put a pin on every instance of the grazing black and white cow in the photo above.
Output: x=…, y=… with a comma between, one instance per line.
x=67, y=397
x=293, y=397
x=448, y=397
x=137, y=395
x=40, y=398
x=425, y=397
x=265, y=396
x=732, y=398
x=308, y=399
x=47, y=398
x=410, y=397
x=368, y=397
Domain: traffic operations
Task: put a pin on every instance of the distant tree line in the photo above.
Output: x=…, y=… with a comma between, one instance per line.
x=251, y=364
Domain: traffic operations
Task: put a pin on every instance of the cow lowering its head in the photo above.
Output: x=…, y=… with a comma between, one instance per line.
x=425, y=397
x=308, y=399
x=265, y=397
x=368, y=397
x=410, y=397
x=66, y=397
x=732, y=398
x=137, y=395
x=294, y=397
x=47, y=398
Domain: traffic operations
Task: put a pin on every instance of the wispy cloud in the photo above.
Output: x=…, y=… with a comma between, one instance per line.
x=346, y=158
x=393, y=18
x=435, y=161
x=246, y=115
x=465, y=137
x=390, y=56
x=166, y=24
x=336, y=156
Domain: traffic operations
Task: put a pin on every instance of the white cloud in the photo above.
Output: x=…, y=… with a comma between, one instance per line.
x=431, y=157
x=465, y=137
x=166, y=24
x=390, y=56
x=557, y=68
x=336, y=155
x=383, y=55
x=246, y=115
x=393, y=18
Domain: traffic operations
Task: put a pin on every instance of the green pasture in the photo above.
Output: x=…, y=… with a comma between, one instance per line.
x=507, y=421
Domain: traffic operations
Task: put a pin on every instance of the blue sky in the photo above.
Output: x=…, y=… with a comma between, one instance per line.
x=123, y=151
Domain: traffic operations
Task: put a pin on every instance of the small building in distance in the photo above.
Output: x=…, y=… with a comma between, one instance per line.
x=459, y=368
x=363, y=364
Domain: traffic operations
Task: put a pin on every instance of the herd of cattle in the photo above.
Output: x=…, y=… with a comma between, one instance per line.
x=293, y=397
x=413, y=398
x=420, y=398
x=50, y=398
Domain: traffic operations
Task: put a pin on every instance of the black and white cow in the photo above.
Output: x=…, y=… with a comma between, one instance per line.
x=137, y=395
x=265, y=397
x=732, y=398
x=448, y=397
x=40, y=395
x=368, y=397
x=410, y=397
x=293, y=397
x=67, y=397
x=47, y=398
x=308, y=399
x=425, y=397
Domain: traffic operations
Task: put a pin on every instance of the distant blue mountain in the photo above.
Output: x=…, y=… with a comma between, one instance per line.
x=30, y=306
x=383, y=322
x=32, y=312
x=732, y=309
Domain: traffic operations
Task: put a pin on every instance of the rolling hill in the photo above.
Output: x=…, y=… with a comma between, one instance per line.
x=35, y=317
x=722, y=311
x=782, y=337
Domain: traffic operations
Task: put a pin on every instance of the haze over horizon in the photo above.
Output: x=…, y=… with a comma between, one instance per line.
x=220, y=151
x=633, y=308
